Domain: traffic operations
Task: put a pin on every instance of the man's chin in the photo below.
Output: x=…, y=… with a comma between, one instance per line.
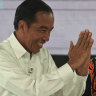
x=36, y=51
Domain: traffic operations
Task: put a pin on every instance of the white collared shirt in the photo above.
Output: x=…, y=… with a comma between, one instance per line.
x=38, y=76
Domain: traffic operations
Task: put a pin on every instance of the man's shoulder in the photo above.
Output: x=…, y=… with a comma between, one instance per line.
x=4, y=43
x=5, y=48
x=7, y=57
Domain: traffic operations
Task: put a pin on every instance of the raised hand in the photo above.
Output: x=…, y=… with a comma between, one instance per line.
x=79, y=54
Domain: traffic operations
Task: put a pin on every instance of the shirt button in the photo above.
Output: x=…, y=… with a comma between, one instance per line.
x=30, y=70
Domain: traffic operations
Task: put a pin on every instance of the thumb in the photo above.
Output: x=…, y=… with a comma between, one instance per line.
x=71, y=45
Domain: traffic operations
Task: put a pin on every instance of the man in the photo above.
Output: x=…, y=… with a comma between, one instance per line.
x=27, y=69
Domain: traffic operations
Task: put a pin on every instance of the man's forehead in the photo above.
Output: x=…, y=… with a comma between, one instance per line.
x=43, y=15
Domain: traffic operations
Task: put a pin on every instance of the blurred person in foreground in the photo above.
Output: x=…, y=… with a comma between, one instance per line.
x=27, y=68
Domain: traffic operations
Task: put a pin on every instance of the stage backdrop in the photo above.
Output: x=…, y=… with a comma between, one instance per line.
x=71, y=16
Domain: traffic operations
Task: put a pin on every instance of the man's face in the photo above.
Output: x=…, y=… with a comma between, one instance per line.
x=39, y=32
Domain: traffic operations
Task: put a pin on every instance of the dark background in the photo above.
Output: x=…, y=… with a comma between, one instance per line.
x=62, y=59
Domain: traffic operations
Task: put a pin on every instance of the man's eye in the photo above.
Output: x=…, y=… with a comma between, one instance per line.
x=42, y=31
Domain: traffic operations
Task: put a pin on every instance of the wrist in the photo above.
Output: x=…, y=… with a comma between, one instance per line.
x=82, y=71
x=71, y=64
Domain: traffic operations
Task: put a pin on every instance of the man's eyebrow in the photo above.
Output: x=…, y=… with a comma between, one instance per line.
x=43, y=27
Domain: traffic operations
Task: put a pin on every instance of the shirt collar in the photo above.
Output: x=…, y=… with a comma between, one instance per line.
x=16, y=46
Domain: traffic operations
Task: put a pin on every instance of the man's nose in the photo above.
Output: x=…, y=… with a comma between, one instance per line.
x=46, y=36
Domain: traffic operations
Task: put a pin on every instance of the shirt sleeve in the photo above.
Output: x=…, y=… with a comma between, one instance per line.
x=76, y=87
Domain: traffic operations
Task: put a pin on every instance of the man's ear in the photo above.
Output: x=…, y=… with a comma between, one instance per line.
x=22, y=26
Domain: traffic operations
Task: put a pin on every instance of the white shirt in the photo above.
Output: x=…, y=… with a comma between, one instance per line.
x=38, y=76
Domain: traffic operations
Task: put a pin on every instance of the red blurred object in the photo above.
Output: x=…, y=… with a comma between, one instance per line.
x=92, y=72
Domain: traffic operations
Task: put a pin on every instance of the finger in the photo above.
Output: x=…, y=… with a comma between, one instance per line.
x=84, y=39
x=71, y=45
x=70, y=49
x=80, y=39
x=88, y=41
x=90, y=44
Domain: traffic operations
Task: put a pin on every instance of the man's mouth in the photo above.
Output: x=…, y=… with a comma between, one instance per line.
x=40, y=43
